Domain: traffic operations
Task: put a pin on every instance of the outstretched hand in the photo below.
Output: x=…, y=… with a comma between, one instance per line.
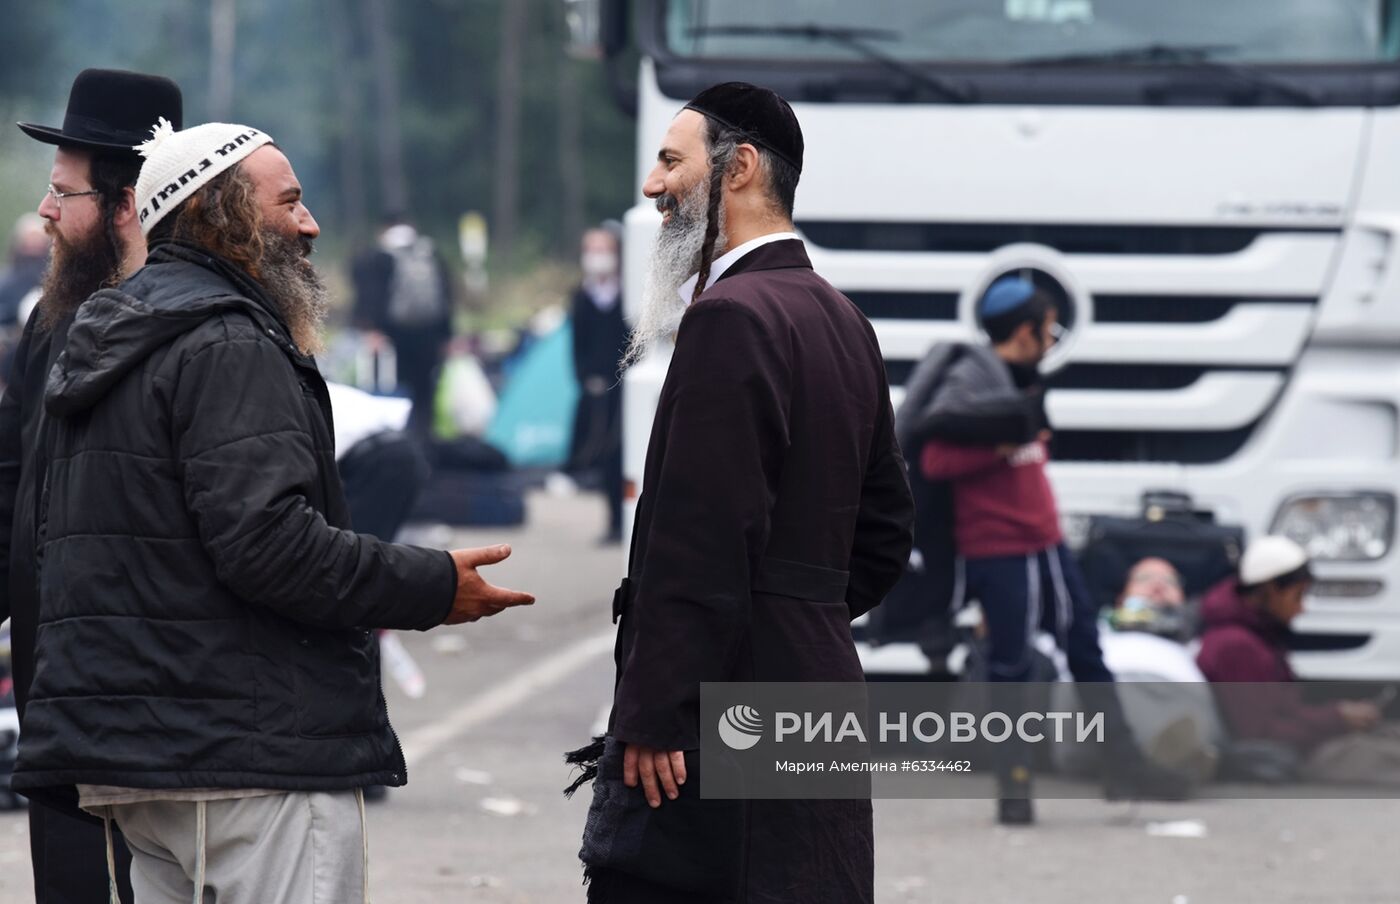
x=657, y=770
x=475, y=597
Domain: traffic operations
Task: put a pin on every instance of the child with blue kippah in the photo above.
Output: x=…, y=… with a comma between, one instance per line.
x=980, y=429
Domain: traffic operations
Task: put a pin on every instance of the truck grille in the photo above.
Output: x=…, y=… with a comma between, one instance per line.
x=1068, y=238
x=1184, y=372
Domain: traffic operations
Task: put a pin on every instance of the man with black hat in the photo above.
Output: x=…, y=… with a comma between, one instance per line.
x=776, y=509
x=90, y=214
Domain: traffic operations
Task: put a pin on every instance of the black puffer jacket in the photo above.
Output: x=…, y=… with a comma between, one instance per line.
x=204, y=609
x=24, y=459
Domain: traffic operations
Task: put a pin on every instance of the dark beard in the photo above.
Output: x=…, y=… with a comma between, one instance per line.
x=295, y=287
x=75, y=271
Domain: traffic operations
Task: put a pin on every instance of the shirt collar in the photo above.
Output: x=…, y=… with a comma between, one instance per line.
x=729, y=259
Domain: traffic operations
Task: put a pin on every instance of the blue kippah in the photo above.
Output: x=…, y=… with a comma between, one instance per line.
x=1004, y=295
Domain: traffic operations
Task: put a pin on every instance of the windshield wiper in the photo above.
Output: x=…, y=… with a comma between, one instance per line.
x=1189, y=55
x=1147, y=53
x=852, y=38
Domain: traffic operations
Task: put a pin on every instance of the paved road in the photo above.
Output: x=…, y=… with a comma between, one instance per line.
x=482, y=820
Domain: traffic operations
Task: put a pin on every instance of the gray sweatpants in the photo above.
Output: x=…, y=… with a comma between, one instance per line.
x=297, y=848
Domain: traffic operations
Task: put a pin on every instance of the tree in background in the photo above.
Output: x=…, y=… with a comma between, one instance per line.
x=382, y=105
x=505, y=205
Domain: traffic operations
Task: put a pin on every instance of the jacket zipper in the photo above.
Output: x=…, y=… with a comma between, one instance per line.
x=323, y=402
x=402, y=774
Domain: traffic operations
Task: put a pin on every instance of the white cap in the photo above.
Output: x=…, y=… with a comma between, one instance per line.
x=178, y=164
x=1270, y=557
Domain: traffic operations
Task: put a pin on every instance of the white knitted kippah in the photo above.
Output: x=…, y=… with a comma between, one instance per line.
x=178, y=164
x=1270, y=557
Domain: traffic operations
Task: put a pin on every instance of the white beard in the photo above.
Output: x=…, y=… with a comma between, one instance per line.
x=674, y=258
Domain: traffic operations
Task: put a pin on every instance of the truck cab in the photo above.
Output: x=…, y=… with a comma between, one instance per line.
x=1209, y=190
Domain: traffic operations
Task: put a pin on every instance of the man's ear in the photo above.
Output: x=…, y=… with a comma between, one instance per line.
x=126, y=208
x=743, y=169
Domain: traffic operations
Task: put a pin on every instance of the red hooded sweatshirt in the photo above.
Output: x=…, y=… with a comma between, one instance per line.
x=1244, y=645
x=1002, y=505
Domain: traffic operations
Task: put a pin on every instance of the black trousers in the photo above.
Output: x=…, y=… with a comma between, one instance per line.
x=70, y=859
x=419, y=354
x=597, y=446
x=1044, y=591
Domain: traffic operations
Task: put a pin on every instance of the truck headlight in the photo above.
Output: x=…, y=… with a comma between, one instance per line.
x=1351, y=527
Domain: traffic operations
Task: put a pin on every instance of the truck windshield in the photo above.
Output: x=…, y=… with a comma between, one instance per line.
x=1122, y=32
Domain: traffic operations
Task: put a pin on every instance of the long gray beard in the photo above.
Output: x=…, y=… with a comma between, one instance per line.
x=674, y=258
x=297, y=288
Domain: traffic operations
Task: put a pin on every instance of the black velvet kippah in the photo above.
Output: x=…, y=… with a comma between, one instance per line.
x=764, y=118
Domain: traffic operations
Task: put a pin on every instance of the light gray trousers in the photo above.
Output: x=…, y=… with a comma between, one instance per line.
x=295, y=848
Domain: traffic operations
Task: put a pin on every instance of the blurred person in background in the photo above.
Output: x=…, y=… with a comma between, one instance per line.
x=404, y=301
x=1148, y=630
x=1247, y=625
x=383, y=467
x=1155, y=581
x=1006, y=529
x=207, y=670
x=19, y=282
x=600, y=340
x=775, y=510
x=1154, y=600
x=90, y=213
x=384, y=470
x=1169, y=707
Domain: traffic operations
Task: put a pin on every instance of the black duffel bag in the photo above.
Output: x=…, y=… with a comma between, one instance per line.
x=1202, y=551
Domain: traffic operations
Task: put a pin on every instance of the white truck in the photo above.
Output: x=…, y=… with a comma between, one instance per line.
x=1211, y=190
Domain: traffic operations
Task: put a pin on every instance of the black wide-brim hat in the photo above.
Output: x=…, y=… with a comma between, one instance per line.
x=112, y=111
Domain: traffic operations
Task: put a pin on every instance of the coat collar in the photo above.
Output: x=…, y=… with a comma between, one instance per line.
x=244, y=284
x=750, y=256
x=786, y=254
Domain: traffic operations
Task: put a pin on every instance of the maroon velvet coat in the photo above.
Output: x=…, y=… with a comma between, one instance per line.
x=775, y=509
